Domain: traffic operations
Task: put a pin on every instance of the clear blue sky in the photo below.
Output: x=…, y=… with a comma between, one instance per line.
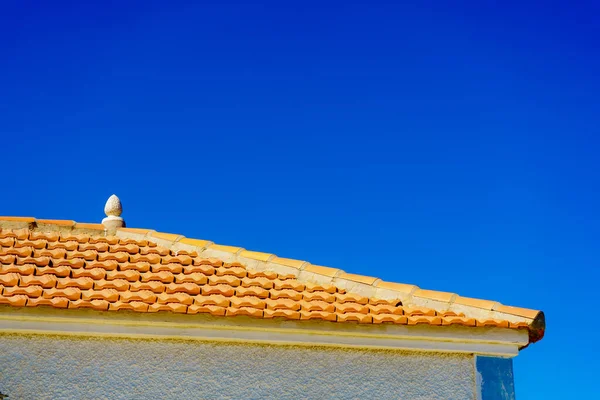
x=454, y=146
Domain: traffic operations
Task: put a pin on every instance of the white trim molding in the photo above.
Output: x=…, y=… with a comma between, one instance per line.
x=454, y=339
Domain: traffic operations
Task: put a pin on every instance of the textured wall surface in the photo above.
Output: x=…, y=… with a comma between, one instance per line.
x=45, y=367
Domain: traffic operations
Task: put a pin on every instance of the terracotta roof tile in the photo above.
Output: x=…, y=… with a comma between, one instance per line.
x=355, y=317
x=58, y=302
x=70, y=293
x=69, y=270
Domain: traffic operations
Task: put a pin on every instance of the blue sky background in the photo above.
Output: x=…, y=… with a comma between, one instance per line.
x=454, y=146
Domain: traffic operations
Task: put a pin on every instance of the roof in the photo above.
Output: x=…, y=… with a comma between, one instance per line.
x=63, y=264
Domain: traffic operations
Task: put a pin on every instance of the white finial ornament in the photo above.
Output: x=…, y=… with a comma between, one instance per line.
x=113, y=211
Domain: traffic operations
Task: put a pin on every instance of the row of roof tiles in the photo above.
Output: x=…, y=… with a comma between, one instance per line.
x=134, y=254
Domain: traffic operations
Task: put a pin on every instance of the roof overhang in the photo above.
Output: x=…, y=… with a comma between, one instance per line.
x=168, y=326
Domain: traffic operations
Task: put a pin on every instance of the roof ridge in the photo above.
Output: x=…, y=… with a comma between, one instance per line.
x=364, y=285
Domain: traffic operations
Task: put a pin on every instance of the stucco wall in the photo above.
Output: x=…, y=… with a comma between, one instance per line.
x=48, y=367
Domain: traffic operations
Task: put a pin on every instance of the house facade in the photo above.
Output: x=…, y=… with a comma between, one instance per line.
x=101, y=311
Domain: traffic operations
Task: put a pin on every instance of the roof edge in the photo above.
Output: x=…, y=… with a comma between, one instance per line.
x=409, y=295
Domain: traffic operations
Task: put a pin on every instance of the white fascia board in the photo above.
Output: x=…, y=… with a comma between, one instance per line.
x=483, y=341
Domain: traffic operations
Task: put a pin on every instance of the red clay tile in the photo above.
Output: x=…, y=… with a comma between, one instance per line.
x=321, y=296
x=269, y=275
x=27, y=269
x=286, y=294
x=118, y=284
x=214, y=262
x=249, y=301
x=314, y=287
x=182, y=298
x=48, y=236
x=39, y=261
x=36, y=244
x=15, y=301
x=288, y=284
x=413, y=312
x=492, y=322
x=396, y=319
x=172, y=307
x=94, y=273
x=174, y=268
x=126, y=248
x=351, y=308
x=518, y=325
x=45, y=281
x=213, y=300
x=227, y=280
x=74, y=263
x=203, y=269
x=88, y=255
x=104, y=239
x=104, y=294
x=71, y=293
x=30, y=291
x=7, y=242
x=98, y=247
x=224, y=290
x=252, y=291
x=128, y=275
x=21, y=251
x=213, y=310
x=385, y=309
x=70, y=246
x=355, y=317
x=288, y=314
x=149, y=258
x=251, y=312
x=196, y=278
x=428, y=320
x=282, y=304
x=317, y=306
x=54, y=253
x=153, y=286
x=351, y=298
x=184, y=260
x=238, y=272
x=326, y=316
x=453, y=320
x=10, y=279
x=131, y=306
x=257, y=282
x=143, y=295
x=110, y=265
x=20, y=234
x=81, y=283
x=100, y=305
x=139, y=243
x=188, y=287
x=8, y=259
x=119, y=257
x=60, y=271
x=57, y=302
x=163, y=276
x=161, y=251
x=140, y=266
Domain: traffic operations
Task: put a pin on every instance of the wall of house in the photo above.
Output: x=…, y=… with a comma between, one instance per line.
x=52, y=367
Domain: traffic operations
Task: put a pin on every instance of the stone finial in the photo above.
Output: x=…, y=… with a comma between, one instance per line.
x=113, y=210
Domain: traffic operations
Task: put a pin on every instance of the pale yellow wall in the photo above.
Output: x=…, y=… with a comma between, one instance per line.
x=48, y=367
